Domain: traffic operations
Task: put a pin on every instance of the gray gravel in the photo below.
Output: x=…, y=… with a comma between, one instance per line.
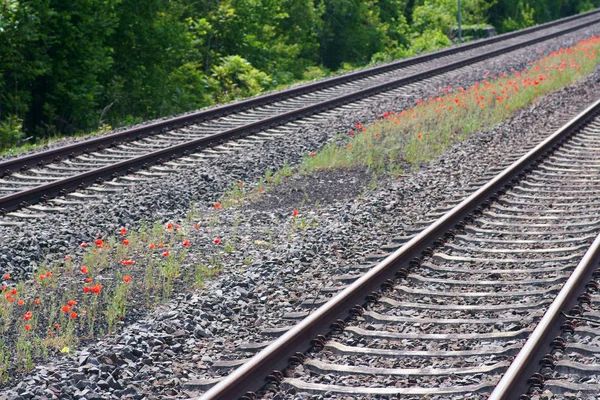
x=170, y=352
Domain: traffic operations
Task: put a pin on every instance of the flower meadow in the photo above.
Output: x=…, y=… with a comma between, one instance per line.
x=90, y=291
x=424, y=131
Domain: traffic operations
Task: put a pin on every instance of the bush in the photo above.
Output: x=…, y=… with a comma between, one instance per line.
x=10, y=131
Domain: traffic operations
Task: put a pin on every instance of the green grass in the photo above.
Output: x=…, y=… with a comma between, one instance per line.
x=423, y=132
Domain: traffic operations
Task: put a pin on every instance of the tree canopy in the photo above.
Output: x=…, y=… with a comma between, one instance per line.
x=82, y=65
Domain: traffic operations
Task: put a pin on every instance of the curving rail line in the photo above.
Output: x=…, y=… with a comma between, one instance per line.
x=41, y=176
x=481, y=293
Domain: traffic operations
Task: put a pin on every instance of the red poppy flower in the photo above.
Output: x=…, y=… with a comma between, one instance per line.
x=66, y=309
x=123, y=231
x=419, y=136
x=313, y=154
x=27, y=327
x=83, y=269
x=27, y=315
x=73, y=315
x=13, y=291
x=88, y=280
x=166, y=253
x=84, y=244
x=99, y=242
x=48, y=273
x=351, y=133
x=126, y=279
x=169, y=226
x=96, y=289
x=71, y=303
x=126, y=242
x=240, y=184
x=86, y=289
x=217, y=240
x=294, y=213
x=10, y=299
x=217, y=205
x=186, y=243
x=3, y=288
x=57, y=325
x=152, y=245
x=36, y=301
x=196, y=226
x=20, y=302
x=67, y=258
x=160, y=245
x=42, y=276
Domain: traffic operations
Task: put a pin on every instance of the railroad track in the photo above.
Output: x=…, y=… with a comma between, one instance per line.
x=497, y=298
x=95, y=164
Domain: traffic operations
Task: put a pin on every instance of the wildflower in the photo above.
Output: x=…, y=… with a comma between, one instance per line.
x=96, y=289
x=126, y=242
x=123, y=231
x=10, y=299
x=126, y=279
x=240, y=184
x=71, y=303
x=169, y=226
x=152, y=245
x=50, y=333
x=2, y=288
x=42, y=276
x=83, y=245
x=13, y=292
x=73, y=315
x=20, y=302
x=186, y=243
x=99, y=242
x=294, y=213
x=377, y=135
x=166, y=253
x=57, y=325
x=48, y=273
x=36, y=301
x=177, y=227
x=419, y=136
x=6, y=277
x=66, y=309
x=313, y=154
x=217, y=240
x=349, y=146
x=160, y=245
x=27, y=315
x=86, y=289
x=27, y=327
x=196, y=226
x=67, y=258
x=128, y=262
x=83, y=269
x=351, y=133
x=217, y=206
x=88, y=280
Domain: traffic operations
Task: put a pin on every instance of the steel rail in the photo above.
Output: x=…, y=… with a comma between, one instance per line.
x=99, y=143
x=251, y=375
x=80, y=181
x=514, y=382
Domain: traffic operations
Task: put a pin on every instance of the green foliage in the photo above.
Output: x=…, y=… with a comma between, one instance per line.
x=68, y=67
